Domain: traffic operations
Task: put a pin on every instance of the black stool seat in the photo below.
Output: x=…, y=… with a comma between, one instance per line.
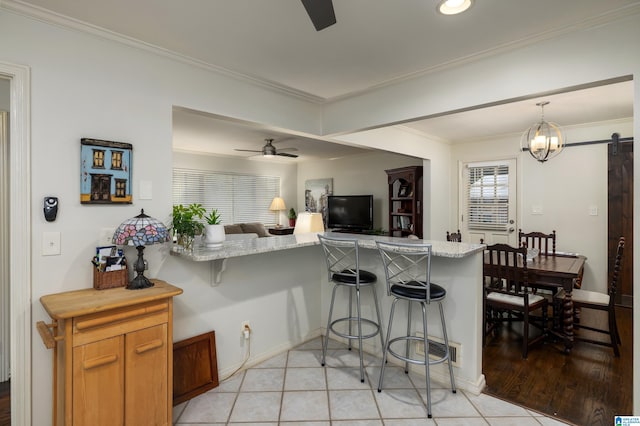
x=419, y=291
x=349, y=277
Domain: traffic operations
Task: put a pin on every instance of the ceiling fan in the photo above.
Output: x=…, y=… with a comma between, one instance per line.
x=321, y=13
x=269, y=150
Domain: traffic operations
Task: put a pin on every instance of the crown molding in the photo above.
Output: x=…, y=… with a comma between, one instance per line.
x=50, y=17
x=53, y=18
x=606, y=18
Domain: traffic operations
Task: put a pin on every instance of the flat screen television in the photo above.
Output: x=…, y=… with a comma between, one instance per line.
x=354, y=212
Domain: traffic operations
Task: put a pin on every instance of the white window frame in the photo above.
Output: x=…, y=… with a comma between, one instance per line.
x=487, y=196
x=239, y=198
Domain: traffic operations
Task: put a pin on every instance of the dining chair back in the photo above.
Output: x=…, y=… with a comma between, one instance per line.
x=599, y=301
x=545, y=243
x=343, y=269
x=407, y=268
x=506, y=294
x=454, y=236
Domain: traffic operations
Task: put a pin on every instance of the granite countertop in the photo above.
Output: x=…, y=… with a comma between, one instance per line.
x=244, y=247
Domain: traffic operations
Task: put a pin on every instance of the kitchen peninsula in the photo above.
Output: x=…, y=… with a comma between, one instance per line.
x=455, y=266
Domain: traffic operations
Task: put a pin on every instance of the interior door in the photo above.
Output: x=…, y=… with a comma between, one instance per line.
x=620, y=211
x=487, y=205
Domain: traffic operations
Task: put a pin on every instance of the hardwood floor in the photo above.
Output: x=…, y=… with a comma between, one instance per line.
x=5, y=403
x=587, y=387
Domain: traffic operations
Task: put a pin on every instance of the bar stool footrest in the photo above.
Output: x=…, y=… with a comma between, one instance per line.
x=364, y=321
x=420, y=361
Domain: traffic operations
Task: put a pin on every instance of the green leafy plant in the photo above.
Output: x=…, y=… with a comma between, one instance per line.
x=292, y=213
x=186, y=221
x=213, y=218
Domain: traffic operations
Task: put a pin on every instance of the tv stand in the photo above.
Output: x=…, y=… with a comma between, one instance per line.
x=353, y=231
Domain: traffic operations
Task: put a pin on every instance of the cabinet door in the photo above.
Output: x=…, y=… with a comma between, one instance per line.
x=147, y=394
x=98, y=383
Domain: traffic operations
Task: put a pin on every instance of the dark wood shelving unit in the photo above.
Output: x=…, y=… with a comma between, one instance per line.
x=405, y=201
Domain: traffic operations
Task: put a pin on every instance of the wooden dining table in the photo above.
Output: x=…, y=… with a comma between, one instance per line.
x=564, y=271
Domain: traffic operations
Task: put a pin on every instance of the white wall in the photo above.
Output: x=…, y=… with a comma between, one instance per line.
x=91, y=87
x=436, y=157
x=357, y=175
x=286, y=171
x=565, y=187
x=97, y=88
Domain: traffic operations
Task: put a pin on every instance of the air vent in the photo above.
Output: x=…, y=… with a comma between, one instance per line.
x=437, y=351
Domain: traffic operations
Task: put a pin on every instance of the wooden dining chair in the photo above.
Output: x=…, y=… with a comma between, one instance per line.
x=545, y=243
x=587, y=299
x=507, y=298
x=454, y=236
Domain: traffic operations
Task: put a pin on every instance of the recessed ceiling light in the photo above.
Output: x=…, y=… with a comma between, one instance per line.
x=453, y=7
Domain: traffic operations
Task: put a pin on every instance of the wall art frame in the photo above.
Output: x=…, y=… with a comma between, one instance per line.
x=105, y=172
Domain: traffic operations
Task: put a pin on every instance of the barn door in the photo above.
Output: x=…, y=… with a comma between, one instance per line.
x=621, y=215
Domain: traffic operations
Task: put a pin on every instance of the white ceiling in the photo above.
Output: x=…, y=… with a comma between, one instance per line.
x=373, y=43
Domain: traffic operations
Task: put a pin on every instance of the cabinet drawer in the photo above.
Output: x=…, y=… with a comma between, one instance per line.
x=98, y=326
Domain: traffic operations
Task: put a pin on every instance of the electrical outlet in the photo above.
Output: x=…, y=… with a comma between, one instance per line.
x=244, y=326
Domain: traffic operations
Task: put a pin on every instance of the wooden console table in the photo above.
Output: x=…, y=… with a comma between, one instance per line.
x=113, y=355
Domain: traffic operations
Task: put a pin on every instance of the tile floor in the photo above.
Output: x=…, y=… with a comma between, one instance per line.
x=293, y=389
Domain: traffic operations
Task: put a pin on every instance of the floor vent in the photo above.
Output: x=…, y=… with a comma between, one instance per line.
x=437, y=351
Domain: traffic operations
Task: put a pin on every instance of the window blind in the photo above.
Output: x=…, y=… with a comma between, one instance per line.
x=488, y=197
x=237, y=197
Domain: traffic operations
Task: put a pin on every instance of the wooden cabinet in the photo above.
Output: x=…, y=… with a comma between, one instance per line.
x=405, y=201
x=112, y=355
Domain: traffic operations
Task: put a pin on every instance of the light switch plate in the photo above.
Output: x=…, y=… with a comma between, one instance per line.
x=146, y=190
x=50, y=243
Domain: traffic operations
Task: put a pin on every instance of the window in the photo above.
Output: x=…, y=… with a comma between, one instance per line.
x=116, y=160
x=488, y=197
x=121, y=188
x=98, y=159
x=238, y=198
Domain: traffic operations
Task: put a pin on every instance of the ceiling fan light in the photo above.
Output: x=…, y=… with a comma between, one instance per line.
x=268, y=150
x=453, y=7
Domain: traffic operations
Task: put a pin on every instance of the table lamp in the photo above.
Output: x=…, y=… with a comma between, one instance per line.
x=140, y=231
x=308, y=222
x=277, y=205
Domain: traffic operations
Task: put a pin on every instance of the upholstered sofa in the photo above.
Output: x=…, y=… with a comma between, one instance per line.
x=247, y=228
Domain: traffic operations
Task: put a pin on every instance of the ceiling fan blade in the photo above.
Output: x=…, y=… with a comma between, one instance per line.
x=321, y=13
x=248, y=150
x=287, y=149
x=285, y=154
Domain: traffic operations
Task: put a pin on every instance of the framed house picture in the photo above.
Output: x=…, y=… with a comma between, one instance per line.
x=105, y=172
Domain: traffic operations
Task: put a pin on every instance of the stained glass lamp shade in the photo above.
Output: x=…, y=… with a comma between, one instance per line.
x=140, y=231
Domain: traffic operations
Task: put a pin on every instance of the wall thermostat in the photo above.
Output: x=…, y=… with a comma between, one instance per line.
x=50, y=208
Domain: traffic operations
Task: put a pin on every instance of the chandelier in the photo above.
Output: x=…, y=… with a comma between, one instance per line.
x=544, y=140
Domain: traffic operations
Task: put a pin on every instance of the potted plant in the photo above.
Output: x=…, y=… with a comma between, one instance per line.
x=214, y=231
x=186, y=223
x=292, y=217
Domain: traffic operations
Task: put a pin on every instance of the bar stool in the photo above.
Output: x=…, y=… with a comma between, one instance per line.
x=407, y=269
x=343, y=268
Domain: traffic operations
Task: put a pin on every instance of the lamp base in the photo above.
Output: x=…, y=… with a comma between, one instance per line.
x=139, y=282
